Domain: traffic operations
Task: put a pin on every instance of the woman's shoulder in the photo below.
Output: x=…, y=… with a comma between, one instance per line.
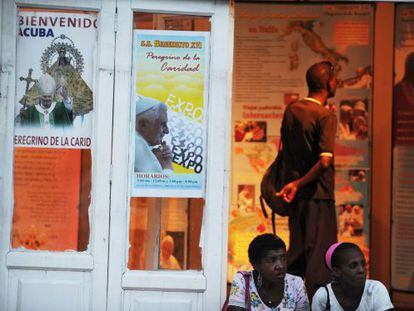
x=240, y=275
x=322, y=292
x=373, y=286
x=320, y=298
x=381, y=299
x=294, y=279
x=294, y=283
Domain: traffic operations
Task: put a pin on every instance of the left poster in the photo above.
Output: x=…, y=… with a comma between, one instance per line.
x=53, y=125
x=54, y=98
x=169, y=109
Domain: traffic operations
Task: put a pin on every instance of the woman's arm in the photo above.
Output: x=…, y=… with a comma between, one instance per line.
x=233, y=308
x=319, y=300
x=302, y=301
x=237, y=298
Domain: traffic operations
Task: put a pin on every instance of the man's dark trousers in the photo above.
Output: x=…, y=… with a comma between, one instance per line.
x=313, y=229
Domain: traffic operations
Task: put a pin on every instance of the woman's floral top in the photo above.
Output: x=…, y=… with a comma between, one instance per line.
x=294, y=298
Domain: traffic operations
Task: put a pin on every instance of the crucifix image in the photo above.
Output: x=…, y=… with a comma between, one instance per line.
x=29, y=80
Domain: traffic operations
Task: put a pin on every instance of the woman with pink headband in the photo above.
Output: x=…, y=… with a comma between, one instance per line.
x=349, y=289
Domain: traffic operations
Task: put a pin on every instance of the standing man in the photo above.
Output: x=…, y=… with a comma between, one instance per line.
x=47, y=113
x=152, y=154
x=308, y=137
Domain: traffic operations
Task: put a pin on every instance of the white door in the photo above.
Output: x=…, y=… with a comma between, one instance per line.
x=53, y=249
x=145, y=224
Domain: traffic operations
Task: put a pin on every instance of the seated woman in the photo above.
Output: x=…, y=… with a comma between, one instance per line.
x=349, y=289
x=270, y=287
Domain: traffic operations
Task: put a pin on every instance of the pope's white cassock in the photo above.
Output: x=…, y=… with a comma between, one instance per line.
x=145, y=159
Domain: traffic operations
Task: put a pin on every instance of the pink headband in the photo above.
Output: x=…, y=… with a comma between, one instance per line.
x=329, y=253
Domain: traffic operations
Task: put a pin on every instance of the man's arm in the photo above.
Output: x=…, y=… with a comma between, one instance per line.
x=288, y=192
x=328, y=125
x=67, y=102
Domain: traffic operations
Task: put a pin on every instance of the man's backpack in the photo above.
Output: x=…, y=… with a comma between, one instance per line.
x=273, y=181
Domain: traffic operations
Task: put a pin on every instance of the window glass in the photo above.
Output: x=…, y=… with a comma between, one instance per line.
x=53, y=122
x=274, y=45
x=165, y=233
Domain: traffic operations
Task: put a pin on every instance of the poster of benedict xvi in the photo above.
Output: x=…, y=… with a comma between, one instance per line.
x=168, y=108
x=53, y=121
x=54, y=79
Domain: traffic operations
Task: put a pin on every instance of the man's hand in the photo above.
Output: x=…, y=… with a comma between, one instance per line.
x=288, y=192
x=66, y=100
x=331, y=106
x=64, y=93
x=164, y=156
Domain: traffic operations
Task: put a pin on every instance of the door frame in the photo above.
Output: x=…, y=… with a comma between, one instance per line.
x=210, y=282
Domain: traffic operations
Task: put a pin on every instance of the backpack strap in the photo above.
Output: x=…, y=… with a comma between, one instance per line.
x=328, y=301
x=262, y=205
x=279, y=148
x=246, y=276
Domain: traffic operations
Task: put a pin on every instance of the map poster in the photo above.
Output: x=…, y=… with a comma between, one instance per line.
x=402, y=236
x=169, y=105
x=274, y=45
x=54, y=79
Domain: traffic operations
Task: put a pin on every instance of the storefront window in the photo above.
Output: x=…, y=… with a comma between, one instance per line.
x=274, y=45
x=169, y=137
x=53, y=125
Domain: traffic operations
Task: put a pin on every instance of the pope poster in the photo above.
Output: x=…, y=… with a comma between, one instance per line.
x=53, y=122
x=54, y=97
x=169, y=105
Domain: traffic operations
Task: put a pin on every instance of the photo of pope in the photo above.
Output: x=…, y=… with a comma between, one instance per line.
x=152, y=154
x=46, y=112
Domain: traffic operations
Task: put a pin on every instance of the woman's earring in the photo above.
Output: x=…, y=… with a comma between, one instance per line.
x=259, y=280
